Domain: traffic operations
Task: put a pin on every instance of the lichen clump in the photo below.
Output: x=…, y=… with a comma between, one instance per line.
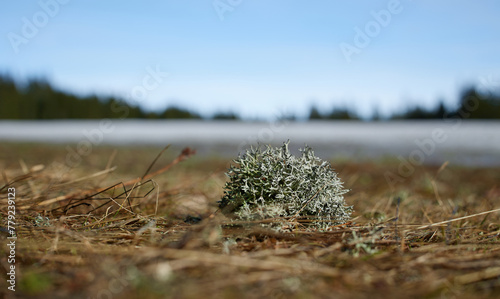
x=272, y=183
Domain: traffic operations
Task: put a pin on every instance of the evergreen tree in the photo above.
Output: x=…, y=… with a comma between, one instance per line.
x=225, y=116
x=178, y=113
x=314, y=113
x=477, y=105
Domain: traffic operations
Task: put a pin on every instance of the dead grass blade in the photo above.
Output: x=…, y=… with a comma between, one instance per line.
x=94, y=175
x=457, y=219
x=186, y=153
x=269, y=264
x=154, y=161
x=485, y=274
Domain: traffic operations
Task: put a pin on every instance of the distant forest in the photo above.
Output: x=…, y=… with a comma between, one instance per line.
x=39, y=100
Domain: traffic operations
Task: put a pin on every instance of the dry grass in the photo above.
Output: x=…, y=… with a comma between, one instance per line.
x=114, y=228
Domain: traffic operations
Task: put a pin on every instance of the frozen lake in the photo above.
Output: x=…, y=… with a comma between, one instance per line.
x=429, y=142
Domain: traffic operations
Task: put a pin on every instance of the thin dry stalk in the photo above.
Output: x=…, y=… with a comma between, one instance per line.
x=485, y=274
x=457, y=219
x=94, y=175
x=186, y=153
x=269, y=264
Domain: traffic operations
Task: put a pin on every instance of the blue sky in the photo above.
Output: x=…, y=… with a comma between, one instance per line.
x=258, y=58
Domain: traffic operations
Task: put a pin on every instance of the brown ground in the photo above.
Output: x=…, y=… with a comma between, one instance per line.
x=95, y=231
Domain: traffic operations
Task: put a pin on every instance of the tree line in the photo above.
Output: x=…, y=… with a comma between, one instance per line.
x=471, y=104
x=37, y=99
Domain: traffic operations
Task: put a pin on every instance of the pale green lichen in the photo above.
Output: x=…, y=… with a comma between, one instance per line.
x=272, y=183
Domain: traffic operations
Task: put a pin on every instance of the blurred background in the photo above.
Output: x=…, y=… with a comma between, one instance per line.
x=280, y=70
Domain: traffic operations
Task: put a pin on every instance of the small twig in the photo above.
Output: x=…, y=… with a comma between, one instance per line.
x=32, y=186
x=126, y=192
x=67, y=207
x=21, y=177
x=149, y=168
x=111, y=159
x=186, y=153
x=397, y=218
x=157, y=195
x=448, y=228
x=5, y=178
x=457, y=219
x=154, y=161
x=443, y=166
x=127, y=196
x=105, y=171
x=121, y=206
x=488, y=273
